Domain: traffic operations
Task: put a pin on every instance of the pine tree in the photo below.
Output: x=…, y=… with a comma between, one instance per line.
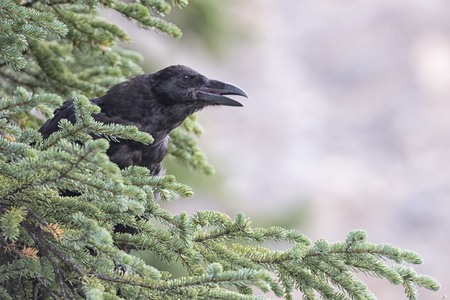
x=61, y=247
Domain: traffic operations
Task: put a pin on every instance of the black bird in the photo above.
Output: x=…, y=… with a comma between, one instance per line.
x=155, y=103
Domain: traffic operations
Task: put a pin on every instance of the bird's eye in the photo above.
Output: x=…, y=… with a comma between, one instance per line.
x=186, y=77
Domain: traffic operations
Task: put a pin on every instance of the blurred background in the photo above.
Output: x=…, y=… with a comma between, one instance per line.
x=347, y=123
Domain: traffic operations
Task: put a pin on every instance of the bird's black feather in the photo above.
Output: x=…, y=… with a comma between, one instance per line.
x=154, y=103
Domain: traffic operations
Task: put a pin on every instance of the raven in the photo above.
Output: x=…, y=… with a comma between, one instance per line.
x=155, y=103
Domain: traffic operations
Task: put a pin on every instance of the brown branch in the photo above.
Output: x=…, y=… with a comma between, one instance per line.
x=39, y=239
x=36, y=235
x=41, y=283
x=36, y=216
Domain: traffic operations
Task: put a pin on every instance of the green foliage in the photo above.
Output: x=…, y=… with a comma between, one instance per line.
x=63, y=47
x=21, y=24
x=59, y=247
x=9, y=223
x=186, y=151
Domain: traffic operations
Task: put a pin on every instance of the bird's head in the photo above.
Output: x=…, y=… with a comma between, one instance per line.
x=159, y=102
x=183, y=86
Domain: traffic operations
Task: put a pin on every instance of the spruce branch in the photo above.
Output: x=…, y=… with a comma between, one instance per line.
x=19, y=26
x=141, y=12
x=54, y=49
x=185, y=150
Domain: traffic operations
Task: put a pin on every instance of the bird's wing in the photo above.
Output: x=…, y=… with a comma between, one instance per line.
x=124, y=154
x=128, y=153
x=66, y=111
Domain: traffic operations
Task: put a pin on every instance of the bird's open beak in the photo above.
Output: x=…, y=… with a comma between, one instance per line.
x=214, y=92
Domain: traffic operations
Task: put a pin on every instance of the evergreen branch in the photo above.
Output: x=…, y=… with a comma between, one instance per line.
x=160, y=242
x=218, y=252
x=75, y=165
x=119, y=280
x=59, y=274
x=227, y=233
x=18, y=190
x=55, y=69
x=9, y=248
x=52, y=293
x=14, y=79
x=36, y=235
x=86, y=29
x=227, y=230
x=178, y=286
x=61, y=48
x=9, y=223
x=159, y=6
x=21, y=24
x=55, y=137
x=36, y=216
x=141, y=14
x=23, y=101
x=185, y=149
x=164, y=185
